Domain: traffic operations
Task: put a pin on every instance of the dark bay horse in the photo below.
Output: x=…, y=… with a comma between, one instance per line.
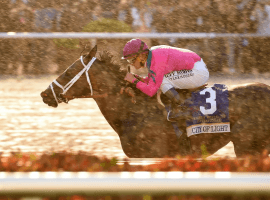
x=142, y=127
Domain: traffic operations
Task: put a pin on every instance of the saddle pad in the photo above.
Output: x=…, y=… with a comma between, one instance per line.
x=210, y=111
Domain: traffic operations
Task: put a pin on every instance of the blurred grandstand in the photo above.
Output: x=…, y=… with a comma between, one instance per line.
x=44, y=56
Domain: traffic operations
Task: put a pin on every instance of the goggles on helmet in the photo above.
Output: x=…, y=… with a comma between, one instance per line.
x=132, y=60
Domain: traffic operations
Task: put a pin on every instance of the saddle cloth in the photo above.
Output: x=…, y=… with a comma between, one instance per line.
x=210, y=111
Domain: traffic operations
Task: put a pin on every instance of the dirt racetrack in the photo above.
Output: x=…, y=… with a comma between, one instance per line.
x=31, y=126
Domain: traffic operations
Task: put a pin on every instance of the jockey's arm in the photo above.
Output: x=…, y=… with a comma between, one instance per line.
x=142, y=79
x=151, y=87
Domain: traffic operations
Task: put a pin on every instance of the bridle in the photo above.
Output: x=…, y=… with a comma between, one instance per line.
x=65, y=98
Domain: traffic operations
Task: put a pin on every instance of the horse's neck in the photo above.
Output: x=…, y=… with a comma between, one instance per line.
x=112, y=110
x=118, y=110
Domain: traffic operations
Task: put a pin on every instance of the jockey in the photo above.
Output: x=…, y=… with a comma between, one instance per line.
x=168, y=68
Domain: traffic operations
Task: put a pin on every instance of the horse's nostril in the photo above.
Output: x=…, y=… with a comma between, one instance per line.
x=43, y=94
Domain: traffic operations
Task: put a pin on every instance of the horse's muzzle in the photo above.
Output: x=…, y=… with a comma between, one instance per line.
x=47, y=100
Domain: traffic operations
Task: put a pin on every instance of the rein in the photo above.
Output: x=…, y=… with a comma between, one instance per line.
x=85, y=96
x=74, y=80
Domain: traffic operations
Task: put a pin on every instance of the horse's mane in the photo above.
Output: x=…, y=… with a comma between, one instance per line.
x=110, y=63
x=117, y=67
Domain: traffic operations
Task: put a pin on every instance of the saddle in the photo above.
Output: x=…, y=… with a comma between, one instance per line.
x=198, y=88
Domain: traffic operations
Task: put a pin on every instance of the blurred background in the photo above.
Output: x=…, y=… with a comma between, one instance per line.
x=28, y=66
x=51, y=56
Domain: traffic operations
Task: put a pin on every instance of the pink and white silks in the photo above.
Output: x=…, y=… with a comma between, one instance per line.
x=173, y=67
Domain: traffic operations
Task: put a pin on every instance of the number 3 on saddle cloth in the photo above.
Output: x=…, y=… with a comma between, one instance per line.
x=211, y=113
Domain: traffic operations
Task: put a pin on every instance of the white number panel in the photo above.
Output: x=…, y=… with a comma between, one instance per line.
x=211, y=100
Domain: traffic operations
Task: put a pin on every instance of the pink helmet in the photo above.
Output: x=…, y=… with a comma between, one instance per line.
x=133, y=48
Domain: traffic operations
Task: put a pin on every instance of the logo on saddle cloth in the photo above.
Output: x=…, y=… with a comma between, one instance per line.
x=212, y=111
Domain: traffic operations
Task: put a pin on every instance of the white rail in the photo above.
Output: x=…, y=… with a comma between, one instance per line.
x=158, y=183
x=124, y=35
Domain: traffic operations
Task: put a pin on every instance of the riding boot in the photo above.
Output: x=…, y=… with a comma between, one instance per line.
x=177, y=109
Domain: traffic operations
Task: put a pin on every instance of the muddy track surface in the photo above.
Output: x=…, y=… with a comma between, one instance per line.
x=28, y=125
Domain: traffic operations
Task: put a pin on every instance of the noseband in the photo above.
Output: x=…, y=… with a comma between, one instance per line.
x=71, y=83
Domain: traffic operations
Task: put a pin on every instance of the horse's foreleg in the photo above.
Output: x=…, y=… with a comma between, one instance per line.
x=148, y=143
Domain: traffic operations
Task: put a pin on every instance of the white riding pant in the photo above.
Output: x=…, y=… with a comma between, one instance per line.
x=186, y=79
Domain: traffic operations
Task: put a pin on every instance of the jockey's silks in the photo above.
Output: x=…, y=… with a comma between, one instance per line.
x=163, y=60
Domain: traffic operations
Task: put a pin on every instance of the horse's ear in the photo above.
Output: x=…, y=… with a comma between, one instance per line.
x=93, y=52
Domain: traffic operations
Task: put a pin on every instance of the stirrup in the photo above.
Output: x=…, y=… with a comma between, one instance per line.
x=170, y=112
x=177, y=116
x=172, y=118
x=168, y=118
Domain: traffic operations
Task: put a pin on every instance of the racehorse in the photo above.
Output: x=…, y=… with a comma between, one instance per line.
x=142, y=127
